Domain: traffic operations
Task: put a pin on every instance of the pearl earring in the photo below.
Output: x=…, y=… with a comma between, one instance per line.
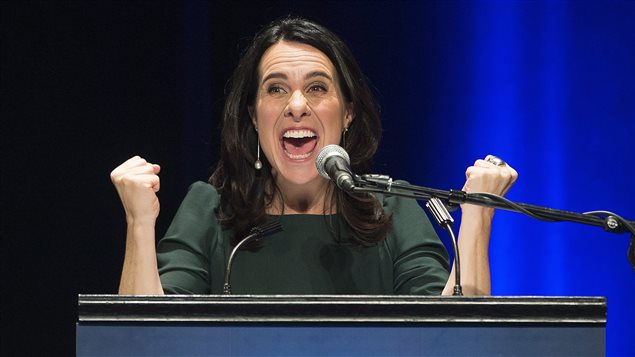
x=258, y=163
x=344, y=137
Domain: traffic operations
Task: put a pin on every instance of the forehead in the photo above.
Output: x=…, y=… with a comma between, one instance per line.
x=289, y=57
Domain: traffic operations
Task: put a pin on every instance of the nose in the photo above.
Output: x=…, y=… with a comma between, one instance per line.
x=298, y=106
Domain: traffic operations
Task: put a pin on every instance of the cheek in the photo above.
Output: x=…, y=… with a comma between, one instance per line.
x=332, y=116
x=267, y=113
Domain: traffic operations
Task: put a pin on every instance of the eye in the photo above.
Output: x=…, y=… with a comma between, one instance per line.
x=318, y=87
x=275, y=89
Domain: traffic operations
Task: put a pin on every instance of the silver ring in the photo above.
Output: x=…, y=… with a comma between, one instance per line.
x=494, y=160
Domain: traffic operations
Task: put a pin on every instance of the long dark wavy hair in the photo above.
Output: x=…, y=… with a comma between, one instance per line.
x=244, y=191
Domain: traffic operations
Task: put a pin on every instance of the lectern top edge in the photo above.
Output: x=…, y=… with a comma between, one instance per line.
x=343, y=308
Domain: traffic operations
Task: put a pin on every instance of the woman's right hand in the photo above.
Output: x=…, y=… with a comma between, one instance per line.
x=137, y=183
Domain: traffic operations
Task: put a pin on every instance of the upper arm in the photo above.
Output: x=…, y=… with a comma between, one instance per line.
x=184, y=252
x=420, y=260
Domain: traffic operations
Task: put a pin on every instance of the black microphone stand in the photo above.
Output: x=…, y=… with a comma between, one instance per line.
x=255, y=233
x=611, y=222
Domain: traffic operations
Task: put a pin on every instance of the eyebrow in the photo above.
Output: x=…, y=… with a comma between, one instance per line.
x=308, y=76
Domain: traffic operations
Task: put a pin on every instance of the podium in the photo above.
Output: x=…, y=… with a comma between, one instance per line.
x=325, y=325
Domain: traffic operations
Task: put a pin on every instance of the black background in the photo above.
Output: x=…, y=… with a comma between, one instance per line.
x=87, y=84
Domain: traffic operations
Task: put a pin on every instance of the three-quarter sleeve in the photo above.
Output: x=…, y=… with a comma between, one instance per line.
x=184, y=252
x=420, y=260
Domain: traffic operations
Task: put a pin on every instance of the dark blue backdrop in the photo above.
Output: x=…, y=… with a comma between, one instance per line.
x=548, y=86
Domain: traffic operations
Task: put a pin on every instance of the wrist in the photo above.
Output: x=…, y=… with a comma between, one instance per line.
x=140, y=221
x=474, y=212
x=140, y=234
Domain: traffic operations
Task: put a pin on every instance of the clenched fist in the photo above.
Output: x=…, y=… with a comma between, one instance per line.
x=485, y=176
x=137, y=183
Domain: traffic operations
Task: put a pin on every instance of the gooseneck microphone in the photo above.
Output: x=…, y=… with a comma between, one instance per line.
x=443, y=218
x=333, y=163
x=258, y=232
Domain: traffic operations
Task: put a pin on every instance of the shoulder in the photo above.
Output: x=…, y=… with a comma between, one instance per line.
x=202, y=200
x=203, y=189
x=410, y=223
x=197, y=213
x=395, y=205
x=202, y=193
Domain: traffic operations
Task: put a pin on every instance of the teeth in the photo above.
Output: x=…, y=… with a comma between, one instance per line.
x=298, y=134
x=297, y=157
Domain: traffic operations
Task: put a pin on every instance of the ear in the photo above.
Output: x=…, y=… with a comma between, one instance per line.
x=349, y=115
x=250, y=109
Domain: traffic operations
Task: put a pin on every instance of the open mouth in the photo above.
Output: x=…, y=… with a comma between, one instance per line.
x=299, y=143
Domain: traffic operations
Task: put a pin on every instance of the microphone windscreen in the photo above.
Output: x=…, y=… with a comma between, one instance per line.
x=325, y=153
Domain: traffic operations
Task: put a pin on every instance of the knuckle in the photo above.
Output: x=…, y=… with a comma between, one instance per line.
x=128, y=179
x=116, y=176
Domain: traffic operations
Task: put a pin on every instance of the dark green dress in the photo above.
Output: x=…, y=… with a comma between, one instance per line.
x=305, y=258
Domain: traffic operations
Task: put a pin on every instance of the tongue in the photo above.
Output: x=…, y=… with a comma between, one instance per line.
x=299, y=146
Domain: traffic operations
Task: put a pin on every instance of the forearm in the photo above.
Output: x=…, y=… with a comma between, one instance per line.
x=140, y=275
x=473, y=244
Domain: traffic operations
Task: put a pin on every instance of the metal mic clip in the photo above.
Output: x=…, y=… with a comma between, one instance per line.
x=440, y=212
x=377, y=181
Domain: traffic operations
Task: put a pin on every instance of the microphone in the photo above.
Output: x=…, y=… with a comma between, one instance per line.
x=443, y=218
x=333, y=163
x=255, y=233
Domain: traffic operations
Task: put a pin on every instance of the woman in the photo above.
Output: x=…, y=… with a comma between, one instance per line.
x=297, y=89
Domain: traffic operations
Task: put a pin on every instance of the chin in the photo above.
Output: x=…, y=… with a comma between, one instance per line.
x=299, y=176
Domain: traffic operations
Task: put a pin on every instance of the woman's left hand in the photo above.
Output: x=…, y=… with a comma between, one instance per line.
x=484, y=176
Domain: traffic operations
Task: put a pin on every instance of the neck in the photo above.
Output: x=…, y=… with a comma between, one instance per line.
x=307, y=198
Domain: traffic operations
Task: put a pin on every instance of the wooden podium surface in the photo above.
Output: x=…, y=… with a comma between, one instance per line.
x=324, y=325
